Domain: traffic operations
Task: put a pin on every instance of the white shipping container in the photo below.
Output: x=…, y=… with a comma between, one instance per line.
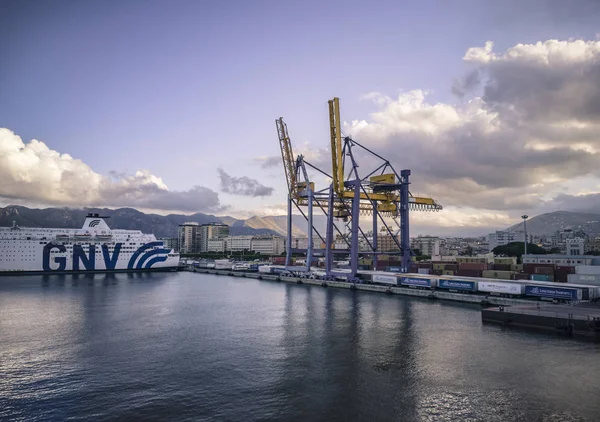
x=587, y=269
x=387, y=279
x=423, y=271
x=264, y=269
x=586, y=279
x=499, y=287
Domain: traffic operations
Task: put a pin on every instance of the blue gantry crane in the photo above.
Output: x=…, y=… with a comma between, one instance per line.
x=381, y=192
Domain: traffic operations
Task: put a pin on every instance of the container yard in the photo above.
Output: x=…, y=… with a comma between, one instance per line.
x=482, y=290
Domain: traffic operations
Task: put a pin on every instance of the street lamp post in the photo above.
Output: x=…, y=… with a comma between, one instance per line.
x=525, y=217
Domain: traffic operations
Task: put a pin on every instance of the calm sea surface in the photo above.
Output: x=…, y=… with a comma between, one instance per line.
x=186, y=346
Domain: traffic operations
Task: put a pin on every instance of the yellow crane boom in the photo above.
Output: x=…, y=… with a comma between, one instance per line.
x=287, y=155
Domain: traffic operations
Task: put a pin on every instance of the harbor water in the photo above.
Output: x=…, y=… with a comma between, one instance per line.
x=188, y=346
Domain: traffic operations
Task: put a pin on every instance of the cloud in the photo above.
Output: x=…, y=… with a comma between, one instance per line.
x=243, y=186
x=269, y=162
x=34, y=173
x=535, y=126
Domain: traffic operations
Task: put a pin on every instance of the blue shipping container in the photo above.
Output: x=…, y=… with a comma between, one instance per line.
x=420, y=282
x=254, y=266
x=457, y=285
x=394, y=269
x=540, y=277
x=552, y=292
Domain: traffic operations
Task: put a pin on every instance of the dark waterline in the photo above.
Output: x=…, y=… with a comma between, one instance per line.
x=183, y=346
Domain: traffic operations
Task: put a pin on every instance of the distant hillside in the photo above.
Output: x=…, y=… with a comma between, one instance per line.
x=546, y=224
x=122, y=218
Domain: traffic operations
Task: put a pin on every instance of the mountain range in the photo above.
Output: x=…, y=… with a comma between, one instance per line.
x=166, y=225
x=160, y=225
x=546, y=224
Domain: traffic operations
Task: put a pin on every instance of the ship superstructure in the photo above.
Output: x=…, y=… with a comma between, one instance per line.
x=94, y=247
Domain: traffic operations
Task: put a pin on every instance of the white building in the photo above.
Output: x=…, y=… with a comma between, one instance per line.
x=238, y=243
x=302, y=242
x=575, y=246
x=502, y=238
x=428, y=245
x=216, y=245
x=268, y=245
x=556, y=259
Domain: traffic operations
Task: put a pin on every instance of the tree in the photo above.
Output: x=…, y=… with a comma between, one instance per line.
x=517, y=249
x=468, y=251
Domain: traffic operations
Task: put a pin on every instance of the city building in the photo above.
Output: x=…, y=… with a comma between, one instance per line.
x=502, y=237
x=268, y=245
x=188, y=238
x=238, y=243
x=559, y=259
x=170, y=243
x=592, y=245
x=302, y=242
x=575, y=246
x=211, y=231
x=386, y=243
x=216, y=245
x=428, y=245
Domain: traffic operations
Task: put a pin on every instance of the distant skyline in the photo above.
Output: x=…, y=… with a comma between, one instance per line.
x=170, y=106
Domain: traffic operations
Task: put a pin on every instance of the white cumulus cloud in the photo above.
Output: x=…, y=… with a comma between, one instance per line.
x=34, y=173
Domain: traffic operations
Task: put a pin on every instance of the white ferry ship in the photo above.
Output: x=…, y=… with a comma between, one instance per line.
x=94, y=247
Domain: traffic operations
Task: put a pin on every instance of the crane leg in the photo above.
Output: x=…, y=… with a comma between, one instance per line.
x=355, y=222
x=309, y=252
x=288, y=251
x=404, y=224
x=374, y=235
x=329, y=234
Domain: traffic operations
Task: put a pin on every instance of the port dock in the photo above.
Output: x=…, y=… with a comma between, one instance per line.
x=571, y=320
x=404, y=291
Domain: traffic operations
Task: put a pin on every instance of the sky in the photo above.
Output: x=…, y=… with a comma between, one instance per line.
x=171, y=106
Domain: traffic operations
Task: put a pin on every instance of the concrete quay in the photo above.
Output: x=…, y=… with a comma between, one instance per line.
x=573, y=321
x=404, y=291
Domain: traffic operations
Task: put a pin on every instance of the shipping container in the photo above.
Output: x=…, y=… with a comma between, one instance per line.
x=506, y=260
x=423, y=271
x=394, y=269
x=520, y=276
x=591, y=279
x=553, y=292
x=385, y=279
x=516, y=267
x=472, y=266
x=544, y=270
x=540, y=277
x=469, y=273
x=501, y=267
x=223, y=264
x=587, y=269
x=447, y=272
x=503, y=275
x=418, y=282
x=462, y=285
x=500, y=287
x=271, y=269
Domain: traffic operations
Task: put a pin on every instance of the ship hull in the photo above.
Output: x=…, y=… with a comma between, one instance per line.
x=115, y=271
x=93, y=249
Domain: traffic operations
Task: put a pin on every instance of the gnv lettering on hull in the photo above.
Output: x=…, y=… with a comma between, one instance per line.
x=80, y=258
